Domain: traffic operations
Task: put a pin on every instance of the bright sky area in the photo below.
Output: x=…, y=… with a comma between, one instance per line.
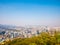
x=30, y=12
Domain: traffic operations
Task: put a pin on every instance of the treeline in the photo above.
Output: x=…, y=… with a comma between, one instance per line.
x=45, y=38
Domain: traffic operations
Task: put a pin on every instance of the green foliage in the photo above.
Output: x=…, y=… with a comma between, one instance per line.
x=32, y=44
x=43, y=39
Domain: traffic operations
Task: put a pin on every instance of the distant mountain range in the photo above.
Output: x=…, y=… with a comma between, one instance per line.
x=7, y=27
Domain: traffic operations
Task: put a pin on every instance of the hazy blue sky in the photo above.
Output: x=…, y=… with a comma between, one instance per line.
x=30, y=12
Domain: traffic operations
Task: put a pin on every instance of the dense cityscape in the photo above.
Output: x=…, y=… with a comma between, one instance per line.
x=11, y=32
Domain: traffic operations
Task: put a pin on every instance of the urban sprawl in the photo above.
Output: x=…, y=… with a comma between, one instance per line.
x=24, y=32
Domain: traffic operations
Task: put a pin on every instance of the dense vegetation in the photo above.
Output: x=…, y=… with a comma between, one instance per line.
x=45, y=38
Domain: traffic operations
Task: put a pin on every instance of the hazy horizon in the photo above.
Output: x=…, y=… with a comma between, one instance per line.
x=30, y=12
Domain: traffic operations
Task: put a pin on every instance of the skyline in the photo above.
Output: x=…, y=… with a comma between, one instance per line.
x=30, y=12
